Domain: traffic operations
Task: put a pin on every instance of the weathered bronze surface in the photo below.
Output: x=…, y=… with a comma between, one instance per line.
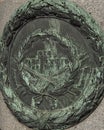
x=52, y=64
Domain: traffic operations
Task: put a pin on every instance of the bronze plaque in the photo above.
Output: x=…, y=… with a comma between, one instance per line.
x=52, y=64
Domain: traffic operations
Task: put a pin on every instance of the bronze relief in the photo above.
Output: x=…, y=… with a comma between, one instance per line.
x=52, y=58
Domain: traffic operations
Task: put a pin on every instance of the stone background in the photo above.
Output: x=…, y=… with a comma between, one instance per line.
x=95, y=120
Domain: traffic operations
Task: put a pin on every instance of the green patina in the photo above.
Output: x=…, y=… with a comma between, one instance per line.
x=52, y=79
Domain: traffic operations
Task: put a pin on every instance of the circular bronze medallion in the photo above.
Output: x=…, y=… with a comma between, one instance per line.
x=52, y=64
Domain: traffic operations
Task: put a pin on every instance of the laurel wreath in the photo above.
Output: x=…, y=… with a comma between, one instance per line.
x=94, y=90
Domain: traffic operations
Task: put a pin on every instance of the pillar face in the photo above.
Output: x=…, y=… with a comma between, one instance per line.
x=52, y=58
